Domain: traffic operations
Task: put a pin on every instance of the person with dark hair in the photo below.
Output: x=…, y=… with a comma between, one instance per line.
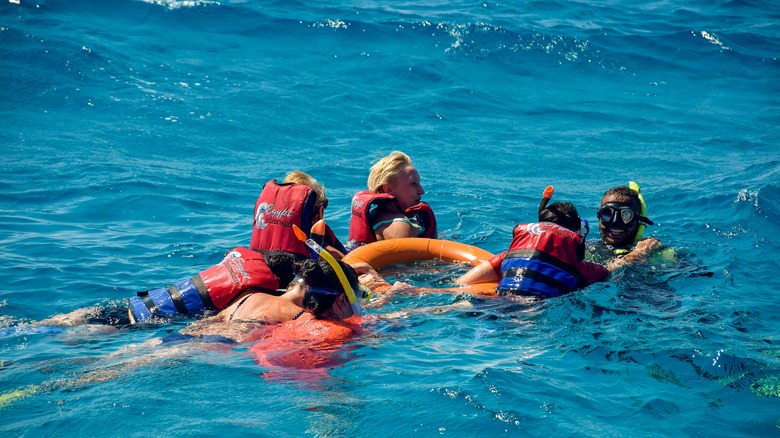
x=303, y=328
x=545, y=258
x=623, y=218
x=271, y=286
x=314, y=293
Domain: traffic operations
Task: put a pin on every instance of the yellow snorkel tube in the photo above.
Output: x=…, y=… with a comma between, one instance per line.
x=322, y=252
x=640, y=229
x=664, y=255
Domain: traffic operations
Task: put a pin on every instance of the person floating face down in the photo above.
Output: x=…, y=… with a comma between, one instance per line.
x=315, y=292
x=622, y=218
x=245, y=280
x=392, y=207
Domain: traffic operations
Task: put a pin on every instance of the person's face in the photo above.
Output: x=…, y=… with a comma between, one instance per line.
x=617, y=233
x=406, y=187
x=340, y=308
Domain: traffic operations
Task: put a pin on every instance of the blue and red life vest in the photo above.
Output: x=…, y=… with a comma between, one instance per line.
x=360, y=231
x=542, y=261
x=278, y=207
x=213, y=289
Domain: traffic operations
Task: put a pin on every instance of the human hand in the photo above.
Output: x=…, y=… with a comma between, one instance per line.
x=642, y=250
x=647, y=246
x=384, y=293
x=362, y=268
x=372, y=280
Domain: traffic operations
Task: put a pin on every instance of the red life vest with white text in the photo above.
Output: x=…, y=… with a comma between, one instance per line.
x=242, y=270
x=278, y=207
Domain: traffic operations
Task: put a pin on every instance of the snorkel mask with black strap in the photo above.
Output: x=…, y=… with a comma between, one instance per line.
x=348, y=290
x=325, y=303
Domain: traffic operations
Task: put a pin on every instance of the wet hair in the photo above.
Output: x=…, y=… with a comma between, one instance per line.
x=386, y=169
x=623, y=192
x=303, y=178
x=282, y=264
x=322, y=275
x=286, y=266
x=563, y=214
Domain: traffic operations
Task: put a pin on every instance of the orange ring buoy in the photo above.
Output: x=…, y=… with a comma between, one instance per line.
x=410, y=249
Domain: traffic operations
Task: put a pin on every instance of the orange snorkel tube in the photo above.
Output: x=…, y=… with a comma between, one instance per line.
x=546, y=196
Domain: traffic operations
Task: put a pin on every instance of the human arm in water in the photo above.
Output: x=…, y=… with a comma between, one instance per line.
x=484, y=272
x=488, y=271
x=640, y=254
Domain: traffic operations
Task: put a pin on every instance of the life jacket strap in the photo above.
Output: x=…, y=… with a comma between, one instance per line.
x=178, y=301
x=203, y=292
x=148, y=302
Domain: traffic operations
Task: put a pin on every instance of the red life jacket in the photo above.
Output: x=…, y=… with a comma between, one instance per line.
x=213, y=289
x=278, y=207
x=542, y=260
x=425, y=217
x=360, y=231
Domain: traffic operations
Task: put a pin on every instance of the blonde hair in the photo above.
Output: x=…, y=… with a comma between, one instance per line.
x=303, y=178
x=386, y=169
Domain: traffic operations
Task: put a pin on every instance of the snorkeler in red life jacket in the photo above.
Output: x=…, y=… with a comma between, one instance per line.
x=242, y=270
x=238, y=284
x=545, y=259
x=317, y=315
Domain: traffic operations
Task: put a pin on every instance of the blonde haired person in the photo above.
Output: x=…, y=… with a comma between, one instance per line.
x=303, y=178
x=392, y=206
x=298, y=200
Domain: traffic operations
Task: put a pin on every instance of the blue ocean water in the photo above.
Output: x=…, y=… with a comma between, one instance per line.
x=136, y=135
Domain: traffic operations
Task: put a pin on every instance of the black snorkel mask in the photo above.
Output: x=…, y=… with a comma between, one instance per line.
x=327, y=303
x=620, y=215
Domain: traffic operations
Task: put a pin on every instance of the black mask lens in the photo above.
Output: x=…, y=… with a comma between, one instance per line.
x=617, y=214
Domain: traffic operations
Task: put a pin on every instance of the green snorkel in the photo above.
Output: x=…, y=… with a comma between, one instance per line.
x=640, y=230
x=322, y=252
x=664, y=255
x=643, y=220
